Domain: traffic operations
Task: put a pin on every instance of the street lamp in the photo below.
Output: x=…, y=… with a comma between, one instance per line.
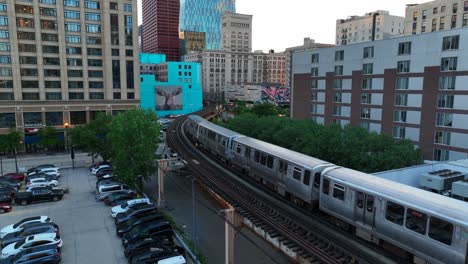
x=65, y=136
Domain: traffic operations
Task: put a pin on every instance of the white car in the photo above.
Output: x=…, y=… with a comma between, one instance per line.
x=125, y=206
x=94, y=170
x=31, y=241
x=173, y=260
x=18, y=226
x=41, y=182
x=51, y=171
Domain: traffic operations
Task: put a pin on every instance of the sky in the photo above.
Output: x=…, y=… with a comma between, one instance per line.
x=281, y=24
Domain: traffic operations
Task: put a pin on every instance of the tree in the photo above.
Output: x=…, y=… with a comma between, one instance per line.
x=48, y=137
x=134, y=136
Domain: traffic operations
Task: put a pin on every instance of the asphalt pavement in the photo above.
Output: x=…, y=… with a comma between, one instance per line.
x=86, y=227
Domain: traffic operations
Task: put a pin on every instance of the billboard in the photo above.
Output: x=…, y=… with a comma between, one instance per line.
x=275, y=94
x=169, y=98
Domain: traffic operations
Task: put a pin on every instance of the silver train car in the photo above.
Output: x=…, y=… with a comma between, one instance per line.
x=291, y=174
x=431, y=227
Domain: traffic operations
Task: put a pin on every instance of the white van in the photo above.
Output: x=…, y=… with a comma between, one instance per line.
x=104, y=190
x=125, y=206
x=173, y=260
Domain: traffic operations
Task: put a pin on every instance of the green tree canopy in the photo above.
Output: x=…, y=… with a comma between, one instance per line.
x=134, y=136
x=10, y=141
x=48, y=137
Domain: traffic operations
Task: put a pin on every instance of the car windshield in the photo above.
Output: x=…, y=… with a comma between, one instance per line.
x=20, y=243
x=124, y=205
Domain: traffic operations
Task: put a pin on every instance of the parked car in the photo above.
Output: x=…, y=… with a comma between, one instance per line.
x=39, y=195
x=41, y=167
x=105, y=176
x=102, y=172
x=34, y=230
x=10, y=183
x=135, y=222
x=104, y=190
x=19, y=225
x=144, y=231
x=96, y=169
x=149, y=241
x=14, y=176
x=41, y=175
x=42, y=182
x=18, y=258
x=5, y=208
x=113, y=197
x=163, y=249
x=49, y=171
x=31, y=241
x=96, y=165
x=121, y=217
x=6, y=198
x=129, y=204
x=51, y=256
x=106, y=182
x=159, y=257
x=7, y=190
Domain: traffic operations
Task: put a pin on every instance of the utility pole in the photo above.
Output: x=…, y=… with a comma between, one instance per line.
x=162, y=170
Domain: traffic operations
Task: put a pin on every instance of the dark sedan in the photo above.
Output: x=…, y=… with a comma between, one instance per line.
x=135, y=222
x=11, y=183
x=7, y=190
x=113, y=197
x=40, y=229
x=14, y=176
x=6, y=198
x=143, y=231
x=49, y=254
x=162, y=249
x=43, y=166
x=147, y=242
x=134, y=212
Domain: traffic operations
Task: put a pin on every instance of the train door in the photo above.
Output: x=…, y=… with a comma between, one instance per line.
x=365, y=209
x=282, y=170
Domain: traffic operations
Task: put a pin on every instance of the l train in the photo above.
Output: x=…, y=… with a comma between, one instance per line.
x=431, y=227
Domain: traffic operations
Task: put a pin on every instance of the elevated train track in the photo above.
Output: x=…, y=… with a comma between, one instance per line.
x=314, y=243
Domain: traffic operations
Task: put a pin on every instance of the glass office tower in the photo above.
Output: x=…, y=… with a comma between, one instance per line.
x=205, y=16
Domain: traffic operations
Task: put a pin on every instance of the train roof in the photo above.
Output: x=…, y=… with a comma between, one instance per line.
x=435, y=204
x=220, y=130
x=197, y=118
x=280, y=152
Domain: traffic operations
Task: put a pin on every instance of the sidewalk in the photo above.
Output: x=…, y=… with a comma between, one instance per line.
x=59, y=160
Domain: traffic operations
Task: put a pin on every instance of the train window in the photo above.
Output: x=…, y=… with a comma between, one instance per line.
x=317, y=177
x=306, y=180
x=280, y=167
x=440, y=230
x=326, y=186
x=238, y=149
x=297, y=173
x=247, y=153
x=263, y=159
x=338, y=191
x=395, y=213
x=359, y=199
x=270, y=162
x=257, y=156
x=416, y=221
x=370, y=203
x=285, y=168
x=224, y=142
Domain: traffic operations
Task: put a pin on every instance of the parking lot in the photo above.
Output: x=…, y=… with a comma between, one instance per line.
x=86, y=227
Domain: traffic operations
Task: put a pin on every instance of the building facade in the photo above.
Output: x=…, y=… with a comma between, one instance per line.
x=191, y=42
x=372, y=26
x=170, y=88
x=223, y=68
x=411, y=87
x=436, y=16
x=236, y=32
x=161, y=28
x=205, y=16
x=63, y=61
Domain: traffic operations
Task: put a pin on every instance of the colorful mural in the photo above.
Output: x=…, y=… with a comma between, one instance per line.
x=275, y=94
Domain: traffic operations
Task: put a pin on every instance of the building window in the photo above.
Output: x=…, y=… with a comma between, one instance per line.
x=339, y=55
x=130, y=75
x=339, y=70
x=435, y=10
x=454, y=22
x=52, y=84
x=404, y=48
x=95, y=74
x=442, y=23
x=368, y=52
x=93, y=40
x=441, y=155
x=73, y=50
x=5, y=46
x=24, y=22
x=93, y=16
x=444, y=119
x=314, y=84
x=6, y=84
x=366, y=98
x=75, y=84
x=3, y=7
x=399, y=132
x=94, y=52
x=447, y=82
x=434, y=25
x=365, y=113
x=113, y=6
x=315, y=58
x=4, y=34
x=49, y=37
x=314, y=72
x=401, y=100
x=72, y=27
x=6, y=71
x=450, y=42
x=96, y=96
x=72, y=3
x=448, y=64
x=92, y=5
x=93, y=28
x=367, y=68
x=74, y=73
x=365, y=125
x=74, y=62
x=442, y=9
x=71, y=14
x=5, y=59
x=445, y=101
x=403, y=66
x=130, y=96
x=56, y=96
x=94, y=63
x=96, y=85
x=29, y=84
x=337, y=98
x=399, y=116
x=465, y=20
x=455, y=8
x=337, y=110
x=117, y=96
x=31, y=96
x=314, y=97
x=337, y=83
x=402, y=83
x=116, y=74
x=72, y=39
x=127, y=7
x=442, y=137
x=24, y=9
x=48, y=11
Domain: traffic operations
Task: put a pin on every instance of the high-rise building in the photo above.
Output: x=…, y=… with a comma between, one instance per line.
x=236, y=32
x=435, y=16
x=410, y=87
x=161, y=28
x=205, y=16
x=192, y=41
x=63, y=61
x=372, y=26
